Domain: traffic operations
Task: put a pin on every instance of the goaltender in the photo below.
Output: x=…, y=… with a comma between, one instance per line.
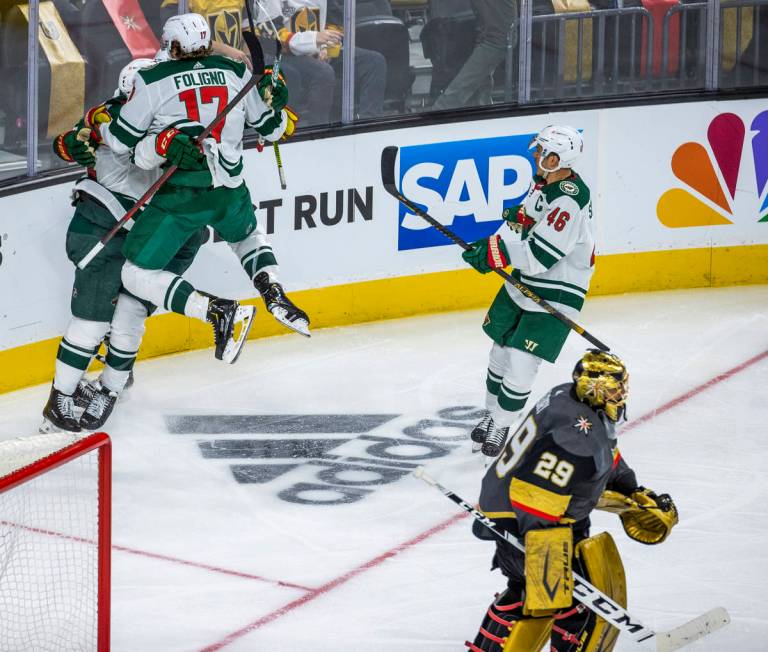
x=559, y=465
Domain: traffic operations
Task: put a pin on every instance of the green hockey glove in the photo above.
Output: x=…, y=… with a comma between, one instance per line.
x=487, y=254
x=73, y=147
x=274, y=94
x=180, y=150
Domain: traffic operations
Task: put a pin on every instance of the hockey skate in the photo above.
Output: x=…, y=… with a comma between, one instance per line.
x=494, y=441
x=480, y=432
x=98, y=410
x=281, y=307
x=224, y=315
x=84, y=393
x=59, y=413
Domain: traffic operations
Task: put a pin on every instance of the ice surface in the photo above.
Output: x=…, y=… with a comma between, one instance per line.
x=397, y=569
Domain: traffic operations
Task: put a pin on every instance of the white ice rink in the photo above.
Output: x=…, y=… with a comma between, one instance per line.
x=212, y=551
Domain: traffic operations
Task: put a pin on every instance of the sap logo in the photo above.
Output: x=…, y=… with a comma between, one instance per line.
x=465, y=185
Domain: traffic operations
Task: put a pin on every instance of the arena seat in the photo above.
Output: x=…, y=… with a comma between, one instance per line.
x=376, y=28
x=447, y=40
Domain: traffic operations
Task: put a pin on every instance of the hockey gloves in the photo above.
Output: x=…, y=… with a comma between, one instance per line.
x=516, y=219
x=180, y=150
x=291, y=119
x=646, y=516
x=75, y=146
x=487, y=254
x=273, y=93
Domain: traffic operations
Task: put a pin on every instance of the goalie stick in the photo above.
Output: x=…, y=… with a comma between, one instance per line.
x=257, y=72
x=388, y=158
x=597, y=601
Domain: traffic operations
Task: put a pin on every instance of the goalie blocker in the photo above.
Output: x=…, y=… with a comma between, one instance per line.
x=550, y=475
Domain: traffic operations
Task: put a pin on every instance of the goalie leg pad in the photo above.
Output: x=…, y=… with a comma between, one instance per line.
x=579, y=629
x=505, y=629
x=548, y=574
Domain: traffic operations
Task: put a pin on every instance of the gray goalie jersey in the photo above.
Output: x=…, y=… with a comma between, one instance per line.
x=554, y=468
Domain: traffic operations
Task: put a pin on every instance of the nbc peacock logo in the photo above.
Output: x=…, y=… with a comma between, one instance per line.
x=711, y=174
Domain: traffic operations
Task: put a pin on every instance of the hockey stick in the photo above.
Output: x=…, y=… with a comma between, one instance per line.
x=597, y=601
x=388, y=157
x=257, y=72
x=251, y=41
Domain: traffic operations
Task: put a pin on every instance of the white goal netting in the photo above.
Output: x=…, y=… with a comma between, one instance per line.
x=49, y=552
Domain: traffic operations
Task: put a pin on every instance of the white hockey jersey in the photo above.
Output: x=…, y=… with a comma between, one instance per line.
x=189, y=94
x=556, y=257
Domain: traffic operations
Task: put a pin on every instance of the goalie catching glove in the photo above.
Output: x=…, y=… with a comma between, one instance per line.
x=646, y=516
x=487, y=254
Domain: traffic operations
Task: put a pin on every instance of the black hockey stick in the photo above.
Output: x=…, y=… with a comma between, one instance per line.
x=597, y=601
x=258, y=72
x=388, y=158
x=252, y=42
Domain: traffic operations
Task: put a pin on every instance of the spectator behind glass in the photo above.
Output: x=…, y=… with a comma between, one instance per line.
x=472, y=85
x=312, y=39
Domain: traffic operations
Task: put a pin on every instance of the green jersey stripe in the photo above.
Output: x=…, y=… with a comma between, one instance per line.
x=549, y=245
x=534, y=280
x=540, y=254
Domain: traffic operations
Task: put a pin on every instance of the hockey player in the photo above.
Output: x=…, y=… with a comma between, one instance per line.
x=559, y=465
x=98, y=306
x=170, y=103
x=551, y=246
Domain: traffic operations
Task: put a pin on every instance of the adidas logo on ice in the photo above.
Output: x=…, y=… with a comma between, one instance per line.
x=197, y=66
x=324, y=459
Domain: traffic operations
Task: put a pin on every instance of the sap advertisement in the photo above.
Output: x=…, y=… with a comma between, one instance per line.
x=463, y=184
x=663, y=177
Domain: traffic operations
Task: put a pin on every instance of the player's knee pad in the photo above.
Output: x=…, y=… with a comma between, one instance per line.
x=515, y=387
x=498, y=360
x=602, y=566
x=256, y=255
x=504, y=629
x=127, y=327
x=85, y=333
x=149, y=284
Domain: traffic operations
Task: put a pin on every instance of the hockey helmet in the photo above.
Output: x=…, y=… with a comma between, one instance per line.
x=601, y=380
x=190, y=31
x=564, y=141
x=128, y=74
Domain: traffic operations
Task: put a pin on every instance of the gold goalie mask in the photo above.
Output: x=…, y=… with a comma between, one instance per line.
x=601, y=380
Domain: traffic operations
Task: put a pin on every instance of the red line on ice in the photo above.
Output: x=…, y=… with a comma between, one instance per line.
x=328, y=586
x=155, y=555
x=341, y=579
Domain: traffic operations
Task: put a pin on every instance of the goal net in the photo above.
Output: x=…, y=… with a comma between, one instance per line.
x=55, y=543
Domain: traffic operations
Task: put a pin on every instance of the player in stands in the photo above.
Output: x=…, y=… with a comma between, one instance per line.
x=551, y=247
x=559, y=465
x=99, y=307
x=170, y=103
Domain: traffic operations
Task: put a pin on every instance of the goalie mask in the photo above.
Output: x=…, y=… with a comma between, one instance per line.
x=190, y=31
x=128, y=74
x=601, y=380
x=564, y=141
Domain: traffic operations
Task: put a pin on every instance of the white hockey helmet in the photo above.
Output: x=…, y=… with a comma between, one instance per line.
x=190, y=31
x=128, y=74
x=562, y=140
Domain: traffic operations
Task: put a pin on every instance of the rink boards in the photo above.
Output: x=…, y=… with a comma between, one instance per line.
x=679, y=195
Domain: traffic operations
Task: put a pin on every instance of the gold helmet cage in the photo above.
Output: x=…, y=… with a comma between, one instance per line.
x=601, y=380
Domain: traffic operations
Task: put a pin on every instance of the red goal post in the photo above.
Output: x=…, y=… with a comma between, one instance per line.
x=55, y=541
